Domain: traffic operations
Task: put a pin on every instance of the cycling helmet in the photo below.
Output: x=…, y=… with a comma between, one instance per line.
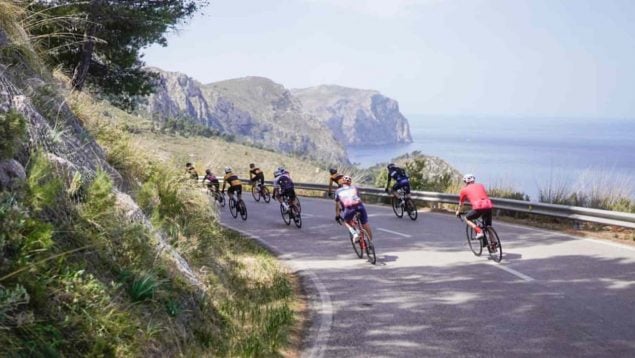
x=390, y=166
x=228, y=170
x=281, y=169
x=332, y=170
x=469, y=178
x=207, y=171
x=277, y=173
x=251, y=165
x=346, y=179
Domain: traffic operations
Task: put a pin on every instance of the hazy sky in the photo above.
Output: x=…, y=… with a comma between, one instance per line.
x=488, y=57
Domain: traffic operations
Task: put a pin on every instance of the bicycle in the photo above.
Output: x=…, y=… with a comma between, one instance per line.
x=218, y=196
x=489, y=240
x=364, y=243
x=237, y=207
x=401, y=203
x=260, y=191
x=294, y=212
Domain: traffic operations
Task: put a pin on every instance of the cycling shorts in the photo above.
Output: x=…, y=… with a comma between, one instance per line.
x=290, y=193
x=485, y=213
x=349, y=213
x=402, y=184
x=238, y=189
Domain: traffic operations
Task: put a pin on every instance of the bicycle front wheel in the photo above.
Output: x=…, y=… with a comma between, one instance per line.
x=412, y=209
x=286, y=216
x=255, y=192
x=232, y=207
x=494, y=245
x=370, y=248
x=357, y=246
x=242, y=209
x=475, y=244
x=265, y=194
x=396, y=207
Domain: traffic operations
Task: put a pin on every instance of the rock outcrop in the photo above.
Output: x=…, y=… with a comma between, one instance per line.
x=252, y=109
x=355, y=116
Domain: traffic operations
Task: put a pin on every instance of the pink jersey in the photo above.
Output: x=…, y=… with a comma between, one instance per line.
x=347, y=195
x=476, y=195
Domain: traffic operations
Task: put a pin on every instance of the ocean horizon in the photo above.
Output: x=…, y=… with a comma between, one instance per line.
x=521, y=152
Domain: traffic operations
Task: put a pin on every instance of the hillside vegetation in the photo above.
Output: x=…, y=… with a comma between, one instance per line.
x=105, y=250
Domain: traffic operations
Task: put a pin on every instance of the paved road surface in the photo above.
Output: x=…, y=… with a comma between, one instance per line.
x=428, y=295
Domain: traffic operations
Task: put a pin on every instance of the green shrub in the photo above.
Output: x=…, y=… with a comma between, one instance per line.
x=12, y=133
x=143, y=287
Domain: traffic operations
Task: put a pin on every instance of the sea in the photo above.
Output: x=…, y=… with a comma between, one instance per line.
x=523, y=153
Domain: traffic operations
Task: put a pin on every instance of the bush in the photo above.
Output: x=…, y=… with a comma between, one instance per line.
x=12, y=132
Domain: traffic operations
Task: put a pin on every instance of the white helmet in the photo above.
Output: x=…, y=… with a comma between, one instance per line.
x=469, y=178
x=228, y=170
x=281, y=170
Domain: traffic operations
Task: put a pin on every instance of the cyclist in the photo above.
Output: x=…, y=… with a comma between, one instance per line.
x=211, y=181
x=191, y=171
x=256, y=175
x=235, y=186
x=481, y=204
x=334, y=178
x=283, y=185
x=401, y=180
x=347, y=197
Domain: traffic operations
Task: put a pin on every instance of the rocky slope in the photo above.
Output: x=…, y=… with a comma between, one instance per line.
x=355, y=116
x=253, y=109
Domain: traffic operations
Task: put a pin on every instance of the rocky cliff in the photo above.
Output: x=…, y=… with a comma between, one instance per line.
x=253, y=109
x=355, y=116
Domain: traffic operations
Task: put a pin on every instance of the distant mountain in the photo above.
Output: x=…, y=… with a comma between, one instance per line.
x=356, y=116
x=317, y=122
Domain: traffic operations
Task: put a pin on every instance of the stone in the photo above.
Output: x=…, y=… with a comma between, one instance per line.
x=12, y=174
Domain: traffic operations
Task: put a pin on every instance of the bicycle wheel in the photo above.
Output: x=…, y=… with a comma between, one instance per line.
x=265, y=194
x=370, y=248
x=411, y=208
x=255, y=192
x=475, y=244
x=297, y=218
x=242, y=209
x=396, y=207
x=297, y=204
x=494, y=245
x=232, y=207
x=286, y=216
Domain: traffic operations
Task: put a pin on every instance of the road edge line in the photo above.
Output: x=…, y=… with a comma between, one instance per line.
x=324, y=309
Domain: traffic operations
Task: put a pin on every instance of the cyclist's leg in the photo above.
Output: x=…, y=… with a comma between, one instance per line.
x=394, y=189
x=406, y=188
x=470, y=217
x=487, y=217
x=348, y=215
x=363, y=218
x=239, y=191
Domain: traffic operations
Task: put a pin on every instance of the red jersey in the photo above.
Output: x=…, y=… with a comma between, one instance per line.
x=476, y=195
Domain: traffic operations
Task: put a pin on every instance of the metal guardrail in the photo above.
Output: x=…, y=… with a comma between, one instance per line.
x=575, y=213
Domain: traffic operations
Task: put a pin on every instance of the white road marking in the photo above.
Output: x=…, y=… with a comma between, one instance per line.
x=393, y=232
x=512, y=271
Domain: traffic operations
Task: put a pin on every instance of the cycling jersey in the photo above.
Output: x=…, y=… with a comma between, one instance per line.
x=213, y=181
x=192, y=172
x=283, y=182
x=231, y=179
x=256, y=174
x=477, y=196
x=401, y=179
x=348, y=196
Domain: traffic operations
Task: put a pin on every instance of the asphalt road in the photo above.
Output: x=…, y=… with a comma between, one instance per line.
x=429, y=296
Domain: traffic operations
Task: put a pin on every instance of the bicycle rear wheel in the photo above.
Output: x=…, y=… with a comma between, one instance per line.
x=255, y=192
x=265, y=194
x=396, y=207
x=494, y=245
x=286, y=217
x=370, y=248
x=242, y=209
x=411, y=208
x=476, y=245
x=297, y=218
x=232, y=207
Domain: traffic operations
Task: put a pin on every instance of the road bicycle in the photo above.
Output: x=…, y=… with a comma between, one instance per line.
x=237, y=207
x=365, y=243
x=260, y=191
x=291, y=212
x=218, y=196
x=401, y=203
x=489, y=240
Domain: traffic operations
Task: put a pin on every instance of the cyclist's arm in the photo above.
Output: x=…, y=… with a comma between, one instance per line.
x=224, y=183
x=388, y=182
x=330, y=185
x=337, y=208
